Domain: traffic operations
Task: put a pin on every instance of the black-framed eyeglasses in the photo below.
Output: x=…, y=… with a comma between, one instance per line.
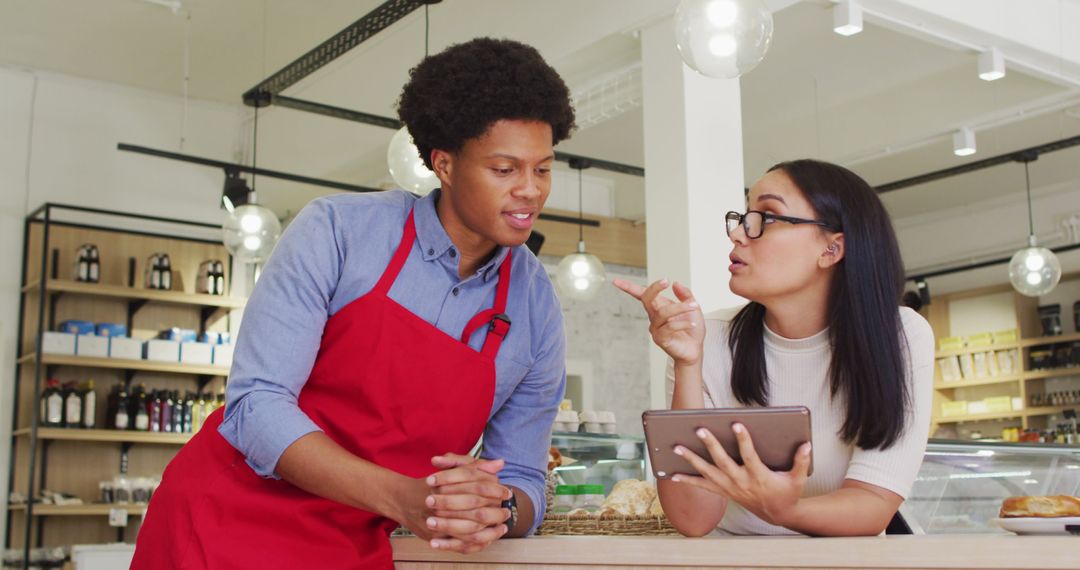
x=754, y=222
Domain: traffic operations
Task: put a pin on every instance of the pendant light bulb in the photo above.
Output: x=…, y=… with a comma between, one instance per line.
x=580, y=275
x=250, y=233
x=406, y=167
x=1033, y=271
x=723, y=38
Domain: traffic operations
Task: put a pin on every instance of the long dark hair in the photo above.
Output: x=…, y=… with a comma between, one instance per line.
x=868, y=366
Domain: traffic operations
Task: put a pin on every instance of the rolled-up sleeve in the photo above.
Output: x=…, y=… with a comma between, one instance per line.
x=277, y=344
x=520, y=431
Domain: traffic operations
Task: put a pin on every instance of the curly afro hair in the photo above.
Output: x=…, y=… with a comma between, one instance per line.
x=456, y=95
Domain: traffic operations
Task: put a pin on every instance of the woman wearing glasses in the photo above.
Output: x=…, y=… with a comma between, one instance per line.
x=816, y=255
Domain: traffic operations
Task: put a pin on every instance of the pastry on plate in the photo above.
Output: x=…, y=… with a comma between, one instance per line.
x=1045, y=507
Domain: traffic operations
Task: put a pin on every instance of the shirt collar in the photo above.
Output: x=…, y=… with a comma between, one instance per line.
x=434, y=241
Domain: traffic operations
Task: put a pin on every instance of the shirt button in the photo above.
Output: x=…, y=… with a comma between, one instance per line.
x=453, y=252
x=430, y=251
x=455, y=291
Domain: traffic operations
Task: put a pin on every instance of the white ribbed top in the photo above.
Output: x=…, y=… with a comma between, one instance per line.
x=798, y=376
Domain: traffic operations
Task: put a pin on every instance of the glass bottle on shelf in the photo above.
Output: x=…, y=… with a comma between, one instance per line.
x=52, y=404
x=89, y=406
x=72, y=406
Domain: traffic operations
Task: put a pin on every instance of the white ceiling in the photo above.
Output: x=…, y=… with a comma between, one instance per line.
x=883, y=102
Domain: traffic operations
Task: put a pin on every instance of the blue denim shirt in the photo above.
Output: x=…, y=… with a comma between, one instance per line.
x=333, y=253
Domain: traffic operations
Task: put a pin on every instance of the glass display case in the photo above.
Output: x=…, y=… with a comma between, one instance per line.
x=961, y=484
x=600, y=459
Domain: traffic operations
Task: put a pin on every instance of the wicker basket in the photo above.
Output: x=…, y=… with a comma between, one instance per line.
x=611, y=524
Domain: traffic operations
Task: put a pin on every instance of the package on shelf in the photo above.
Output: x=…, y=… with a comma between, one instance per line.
x=992, y=365
x=92, y=345
x=967, y=365
x=956, y=408
x=998, y=404
x=111, y=330
x=950, y=368
x=951, y=343
x=58, y=342
x=196, y=353
x=1006, y=336
x=162, y=350
x=1006, y=361
x=979, y=407
x=178, y=335
x=127, y=348
x=212, y=337
x=1017, y=403
x=981, y=368
x=75, y=326
x=223, y=354
x=980, y=339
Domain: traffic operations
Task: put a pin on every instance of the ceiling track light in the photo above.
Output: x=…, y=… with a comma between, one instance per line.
x=847, y=18
x=991, y=64
x=963, y=142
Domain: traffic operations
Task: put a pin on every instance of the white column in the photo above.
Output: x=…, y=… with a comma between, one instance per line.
x=693, y=175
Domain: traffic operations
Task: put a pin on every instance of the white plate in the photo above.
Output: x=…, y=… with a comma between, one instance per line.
x=1036, y=525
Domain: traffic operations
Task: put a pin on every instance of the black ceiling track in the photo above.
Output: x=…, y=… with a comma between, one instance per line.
x=336, y=112
x=245, y=168
x=299, y=178
x=268, y=92
x=1023, y=155
x=355, y=34
x=391, y=123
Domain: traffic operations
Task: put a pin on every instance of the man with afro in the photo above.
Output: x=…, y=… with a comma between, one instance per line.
x=387, y=334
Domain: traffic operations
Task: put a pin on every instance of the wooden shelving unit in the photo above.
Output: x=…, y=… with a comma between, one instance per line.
x=57, y=286
x=133, y=509
x=74, y=461
x=108, y=435
x=1021, y=384
x=123, y=364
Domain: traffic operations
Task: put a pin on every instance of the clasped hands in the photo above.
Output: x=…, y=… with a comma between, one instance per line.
x=463, y=511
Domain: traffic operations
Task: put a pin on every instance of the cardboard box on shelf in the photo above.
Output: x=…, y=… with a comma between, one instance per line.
x=127, y=348
x=998, y=404
x=196, y=353
x=957, y=408
x=980, y=339
x=1006, y=336
x=57, y=343
x=162, y=350
x=223, y=354
x=951, y=343
x=92, y=345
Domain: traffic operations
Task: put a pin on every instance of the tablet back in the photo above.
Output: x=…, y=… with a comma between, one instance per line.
x=777, y=433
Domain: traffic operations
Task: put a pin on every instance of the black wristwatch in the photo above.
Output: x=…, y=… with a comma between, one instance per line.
x=511, y=504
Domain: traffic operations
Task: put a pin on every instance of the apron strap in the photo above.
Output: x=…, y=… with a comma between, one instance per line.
x=495, y=317
x=398, y=261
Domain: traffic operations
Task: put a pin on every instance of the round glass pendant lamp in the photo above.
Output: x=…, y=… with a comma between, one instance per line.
x=406, y=167
x=723, y=38
x=580, y=275
x=1034, y=270
x=250, y=232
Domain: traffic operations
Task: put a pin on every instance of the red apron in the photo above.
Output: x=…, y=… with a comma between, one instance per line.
x=388, y=387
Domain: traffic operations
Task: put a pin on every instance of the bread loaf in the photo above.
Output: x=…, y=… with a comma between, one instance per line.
x=1054, y=506
x=630, y=497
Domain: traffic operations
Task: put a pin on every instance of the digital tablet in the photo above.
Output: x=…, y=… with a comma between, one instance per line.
x=777, y=434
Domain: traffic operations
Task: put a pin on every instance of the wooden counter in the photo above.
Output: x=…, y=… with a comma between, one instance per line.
x=613, y=553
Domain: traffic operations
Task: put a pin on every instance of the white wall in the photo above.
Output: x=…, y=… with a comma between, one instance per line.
x=58, y=138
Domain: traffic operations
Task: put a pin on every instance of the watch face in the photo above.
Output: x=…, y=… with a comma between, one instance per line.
x=511, y=504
